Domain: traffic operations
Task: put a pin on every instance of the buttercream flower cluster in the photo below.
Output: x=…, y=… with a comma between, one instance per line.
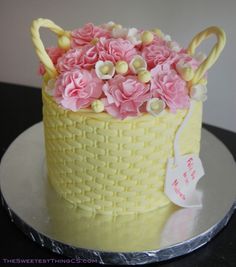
x=122, y=71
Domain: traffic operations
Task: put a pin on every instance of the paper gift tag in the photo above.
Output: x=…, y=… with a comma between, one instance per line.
x=181, y=180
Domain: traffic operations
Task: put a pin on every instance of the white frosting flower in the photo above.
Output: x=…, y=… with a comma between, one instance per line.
x=182, y=65
x=137, y=64
x=155, y=106
x=198, y=92
x=104, y=69
x=185, y=70
x=134, y=36
x=131, y=34
x=200, y=57
x=167, y=38
x=174, y=46
x=50, y=87
x=108, y=26
x=119, y=32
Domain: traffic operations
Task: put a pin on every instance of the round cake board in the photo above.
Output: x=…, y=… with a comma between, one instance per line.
x=131, y=239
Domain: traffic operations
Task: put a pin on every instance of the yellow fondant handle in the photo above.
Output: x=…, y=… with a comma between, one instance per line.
x=38, y=44
x=214, y=54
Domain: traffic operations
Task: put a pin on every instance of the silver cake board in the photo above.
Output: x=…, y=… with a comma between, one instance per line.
x=150, y=237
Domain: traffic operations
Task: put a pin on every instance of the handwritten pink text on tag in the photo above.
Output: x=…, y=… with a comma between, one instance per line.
x=181, y=180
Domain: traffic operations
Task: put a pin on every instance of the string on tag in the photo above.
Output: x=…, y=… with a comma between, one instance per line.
x=179, y=131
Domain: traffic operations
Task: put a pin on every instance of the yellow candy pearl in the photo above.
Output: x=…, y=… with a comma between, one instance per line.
x=46, y=77
x=147, y=37
x=104, y=69
x=97, y=106
x=137, y=63
x=203, y=81
x=94, y=41
x=121, y=67
x=155, y=106
x=117, y=26
x=64, y=42
x=158, y=32
x=187, y=74
x=144, y=76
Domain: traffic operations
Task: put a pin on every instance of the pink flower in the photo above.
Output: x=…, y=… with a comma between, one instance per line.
x=76, y=89
x=115, y=49
x=89, y=57
x=85, y=35
x=158, y=55
x=54, y=53
x=125, y=96
x=168, y=86
x=85, y=58
x=41, y=69
x=69, y=60
x=185, y=59
x=158, y=41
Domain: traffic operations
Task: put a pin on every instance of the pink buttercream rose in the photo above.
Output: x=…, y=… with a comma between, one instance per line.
x=89, y=56
x=168, y=86
x=158, y=55
x=76, y=89
x=54, y=53
x=85, y=35
x=125, y=96
x=69, y=60
x=184, y=58
x=85, y=58
x=157, y=41
x=115, y=49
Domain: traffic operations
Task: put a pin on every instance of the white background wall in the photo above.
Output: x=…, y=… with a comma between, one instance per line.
x=180, y=18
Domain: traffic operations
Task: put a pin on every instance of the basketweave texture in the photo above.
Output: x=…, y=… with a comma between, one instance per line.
x=109, y=166
x=103, y=232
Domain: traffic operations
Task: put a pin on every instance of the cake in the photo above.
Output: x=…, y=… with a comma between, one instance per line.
x=114, y=102
x=108, y=233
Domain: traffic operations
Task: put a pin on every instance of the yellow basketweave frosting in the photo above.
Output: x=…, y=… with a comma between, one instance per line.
x=101, y=232
x=109, y=166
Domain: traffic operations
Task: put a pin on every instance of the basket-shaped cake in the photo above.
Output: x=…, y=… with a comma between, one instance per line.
x=109, y=136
